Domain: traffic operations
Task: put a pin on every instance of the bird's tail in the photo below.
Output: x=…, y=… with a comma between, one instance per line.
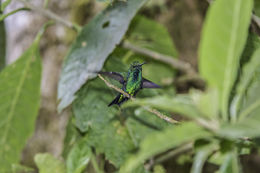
x=118, y=100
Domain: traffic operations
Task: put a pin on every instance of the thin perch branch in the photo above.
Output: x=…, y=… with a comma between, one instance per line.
x=154, y=111
x=50, y=15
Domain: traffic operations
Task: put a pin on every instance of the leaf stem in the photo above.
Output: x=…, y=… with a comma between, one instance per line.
x=3, y=16
x=154, y=111
x=95, y=164
x=51, y=15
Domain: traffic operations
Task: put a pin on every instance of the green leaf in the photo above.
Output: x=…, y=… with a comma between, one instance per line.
x=20, y=97
x=179, y=104
x=17, y=168
x=102, y=122
x=249, y=127
x=5, y=4
x=162, y=141
x=47, y=163
x=223, y=39
x=92, y=47
x=157, y=39
x=230, y=164
x=247, y=95
x=201, y=157
x=78, y=157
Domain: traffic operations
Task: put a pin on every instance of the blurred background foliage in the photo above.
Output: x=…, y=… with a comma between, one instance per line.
x=54, y=114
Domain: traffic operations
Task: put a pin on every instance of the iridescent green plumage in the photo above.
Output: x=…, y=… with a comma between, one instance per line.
x=132, y=84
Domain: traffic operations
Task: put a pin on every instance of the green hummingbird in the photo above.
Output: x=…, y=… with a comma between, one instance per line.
x=133, y=82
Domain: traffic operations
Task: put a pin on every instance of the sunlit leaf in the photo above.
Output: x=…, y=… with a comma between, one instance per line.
x=78, y=157
x=92, y=47
x=223, y=39
x=46, y=163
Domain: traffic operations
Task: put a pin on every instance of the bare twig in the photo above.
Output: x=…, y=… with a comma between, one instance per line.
x=50, y=15
x=154, y=111
x=173, y=62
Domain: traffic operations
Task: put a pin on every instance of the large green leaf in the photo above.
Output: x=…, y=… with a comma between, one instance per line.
x=247, y=95
x=47, y=163
x=92, y=46
x=162, y=141
x=223, y=38
x=20, y=97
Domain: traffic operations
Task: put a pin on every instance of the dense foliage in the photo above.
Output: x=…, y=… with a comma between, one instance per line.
x=220, y=124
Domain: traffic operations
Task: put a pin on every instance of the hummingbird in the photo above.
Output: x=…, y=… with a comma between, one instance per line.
x=133, y=82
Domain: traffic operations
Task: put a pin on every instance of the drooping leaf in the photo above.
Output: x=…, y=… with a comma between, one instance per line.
x=20, y=96
x=249, y=127
x=92, y=46
x=223, y=39
x=246, y=99
x=46, y=163
x=162, y=141
x=78, y=157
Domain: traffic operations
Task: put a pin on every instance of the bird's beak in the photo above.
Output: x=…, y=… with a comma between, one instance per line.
x=143, y=63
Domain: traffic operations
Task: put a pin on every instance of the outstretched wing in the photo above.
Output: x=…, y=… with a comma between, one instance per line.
x=113, y=75
x=148, y=84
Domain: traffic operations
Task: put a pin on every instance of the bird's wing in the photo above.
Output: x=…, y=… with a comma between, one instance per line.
x=149, y=84
x=113, y=75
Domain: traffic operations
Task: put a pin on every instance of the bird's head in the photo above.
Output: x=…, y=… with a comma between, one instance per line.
x=136, y=65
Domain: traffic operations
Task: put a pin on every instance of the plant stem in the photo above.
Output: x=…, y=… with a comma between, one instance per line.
x=3, y=16
x=51, y=15
x=173, y=62
x=182, y=149
x=95, y=164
